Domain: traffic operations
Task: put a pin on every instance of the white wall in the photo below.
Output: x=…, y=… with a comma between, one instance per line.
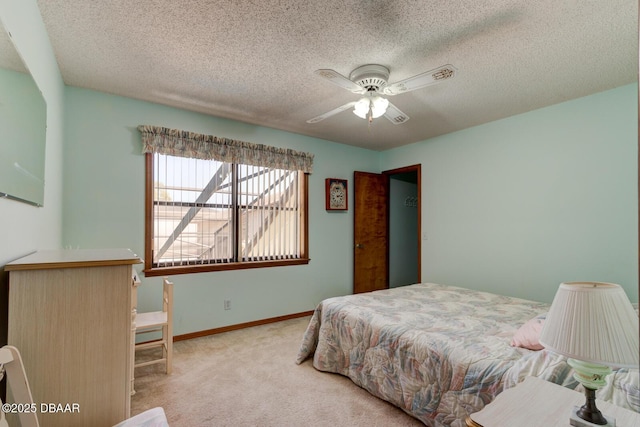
x=519, y=205
x=104, y=207
x=26, y=228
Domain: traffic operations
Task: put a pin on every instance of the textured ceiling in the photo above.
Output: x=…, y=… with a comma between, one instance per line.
x=254, y=61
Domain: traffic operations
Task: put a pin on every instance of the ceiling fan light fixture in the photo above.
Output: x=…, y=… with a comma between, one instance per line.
x=370, y=107
x=371, y=81
x=378, y=106
x=361, y=109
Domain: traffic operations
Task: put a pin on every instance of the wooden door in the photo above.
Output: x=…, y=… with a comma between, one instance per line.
x=370, y=257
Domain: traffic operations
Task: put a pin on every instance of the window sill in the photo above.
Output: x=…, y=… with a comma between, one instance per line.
x=190, y=269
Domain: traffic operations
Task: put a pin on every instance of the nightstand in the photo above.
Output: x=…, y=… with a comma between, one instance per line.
x=535, y=402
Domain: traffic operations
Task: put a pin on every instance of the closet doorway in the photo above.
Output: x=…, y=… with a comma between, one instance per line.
x=404, y=227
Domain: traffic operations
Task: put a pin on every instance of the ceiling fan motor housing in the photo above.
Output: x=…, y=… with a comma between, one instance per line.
x=372, y=77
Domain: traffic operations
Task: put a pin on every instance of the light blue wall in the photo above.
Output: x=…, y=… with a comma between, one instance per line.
x=26, y=228
x=519, y=205
x=104, y=207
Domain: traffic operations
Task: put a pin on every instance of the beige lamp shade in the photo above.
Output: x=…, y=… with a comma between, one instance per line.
x=593, y=322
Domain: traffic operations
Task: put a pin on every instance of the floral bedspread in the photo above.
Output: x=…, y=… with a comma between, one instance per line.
x=437, y=352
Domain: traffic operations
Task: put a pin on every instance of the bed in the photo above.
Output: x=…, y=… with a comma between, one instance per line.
x=439, y=352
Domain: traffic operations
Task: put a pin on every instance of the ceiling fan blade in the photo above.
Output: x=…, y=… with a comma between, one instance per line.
x=434, y=76
x=340, y=80
x=333, y=112
x=394, y=115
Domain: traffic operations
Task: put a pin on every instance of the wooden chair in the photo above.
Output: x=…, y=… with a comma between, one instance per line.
x=12, y=367
x=158, y=321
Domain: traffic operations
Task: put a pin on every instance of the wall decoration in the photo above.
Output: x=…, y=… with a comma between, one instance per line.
x=336, y=194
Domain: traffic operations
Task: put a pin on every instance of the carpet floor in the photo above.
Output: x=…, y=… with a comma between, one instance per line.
x=249, y=377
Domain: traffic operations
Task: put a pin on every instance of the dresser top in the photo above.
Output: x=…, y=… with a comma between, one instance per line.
x=71, y=258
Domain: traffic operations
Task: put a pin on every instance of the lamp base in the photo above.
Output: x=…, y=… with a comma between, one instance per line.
x=575, y=420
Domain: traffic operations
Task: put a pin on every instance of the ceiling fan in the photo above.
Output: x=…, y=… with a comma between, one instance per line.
x=371, y=82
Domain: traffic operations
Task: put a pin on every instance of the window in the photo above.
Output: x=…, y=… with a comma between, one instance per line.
x=207, y=215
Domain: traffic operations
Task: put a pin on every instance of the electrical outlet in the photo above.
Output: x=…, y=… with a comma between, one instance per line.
x=227, y=304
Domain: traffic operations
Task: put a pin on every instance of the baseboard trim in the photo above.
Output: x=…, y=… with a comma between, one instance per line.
x=214, y=331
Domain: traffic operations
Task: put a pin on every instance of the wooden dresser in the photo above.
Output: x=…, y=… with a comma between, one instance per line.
x=70, y=316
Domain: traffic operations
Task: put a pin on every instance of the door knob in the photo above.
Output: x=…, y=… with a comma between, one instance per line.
x=359, y=246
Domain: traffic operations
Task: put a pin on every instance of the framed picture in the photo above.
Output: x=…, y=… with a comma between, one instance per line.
x=336, y=194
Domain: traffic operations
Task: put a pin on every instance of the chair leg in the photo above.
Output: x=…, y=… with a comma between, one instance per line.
x=169, y=349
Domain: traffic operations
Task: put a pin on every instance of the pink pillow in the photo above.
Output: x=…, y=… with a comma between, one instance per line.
x=528, y=336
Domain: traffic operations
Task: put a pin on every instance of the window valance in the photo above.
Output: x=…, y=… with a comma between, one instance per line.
x=182, y=143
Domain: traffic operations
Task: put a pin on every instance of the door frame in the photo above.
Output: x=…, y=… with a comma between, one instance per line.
x=417, y=168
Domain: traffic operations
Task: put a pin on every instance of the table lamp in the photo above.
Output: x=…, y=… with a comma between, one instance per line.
x=594, y=325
